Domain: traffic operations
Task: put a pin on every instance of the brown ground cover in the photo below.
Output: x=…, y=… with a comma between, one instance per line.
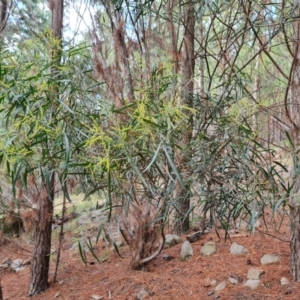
x=164, y=279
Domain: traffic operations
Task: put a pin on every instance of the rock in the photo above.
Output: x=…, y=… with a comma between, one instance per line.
x=143, y=293
x=210, y=293
x=213, y=282
x=186, y=251
x=167, y=257
x=284, y=281
x=57, y=295
x=17, y=270
x=254, y=273
x=221, y=286
x=252, y=283
x=4, y=266
x=269, y=259
x=172, y=240
x=96, y=297
x=16, y=263
x=194, y=237
x=232, y=280
x=208, y=249
x=178, y=239
x=237, y=249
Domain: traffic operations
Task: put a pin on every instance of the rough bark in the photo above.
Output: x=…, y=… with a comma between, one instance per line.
x=293, y=113
x=42, y=245
x=188, y=68
x=39, y=271
x=295, y=234
x=1, y=295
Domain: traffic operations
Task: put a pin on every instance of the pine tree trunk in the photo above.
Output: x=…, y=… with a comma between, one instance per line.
x=182, y=193
x=1, y=295
x=293, y=113
x=42, y=244
x=295, y=235
x=39, y=271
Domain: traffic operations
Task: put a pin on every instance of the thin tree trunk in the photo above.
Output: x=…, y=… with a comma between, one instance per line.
x=39, y=271
x=1, y=295
x=293, y=114
x=188, y=67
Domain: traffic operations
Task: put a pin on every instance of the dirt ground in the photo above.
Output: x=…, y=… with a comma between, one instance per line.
x=164, y=279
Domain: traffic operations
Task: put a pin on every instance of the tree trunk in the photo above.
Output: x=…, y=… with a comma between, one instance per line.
x=1, y=295
x=42, y=244
x=295, y=234
x=182, y=193
x=293, y=113
x=43, y=209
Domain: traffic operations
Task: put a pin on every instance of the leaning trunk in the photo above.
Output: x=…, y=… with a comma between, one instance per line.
x=188, y=65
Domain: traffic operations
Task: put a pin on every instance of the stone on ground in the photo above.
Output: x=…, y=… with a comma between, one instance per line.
x=237, y=249
x=232, y=280
x=16, y=263
x=172, y=240
x=220, y=286
x=252, y=283
x=254, y=274
x=186, y=251
x=269, y=259
x=208, y=249
x=143, y=294
x=284, y=281
x=96, y=297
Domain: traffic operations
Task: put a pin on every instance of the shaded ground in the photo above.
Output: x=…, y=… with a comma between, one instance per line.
x=112, y=279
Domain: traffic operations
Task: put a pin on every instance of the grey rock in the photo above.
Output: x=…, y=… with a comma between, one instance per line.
x=269, y=259
x=186, y=251
x=96, y=297
x=17, y=270
x=252, y=283
x=254, y=273
x=210, y=293
x=237, y=249
x=284, y=281
x=178, y=239
x=208, y=249
x=232, y=280
x=16, y=263
x=221, y=286
x=213, y=282
x=4, y=266
x=172, y=240
x=143, y=293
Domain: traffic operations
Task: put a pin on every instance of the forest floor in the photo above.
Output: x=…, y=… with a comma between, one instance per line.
x=164, y=279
